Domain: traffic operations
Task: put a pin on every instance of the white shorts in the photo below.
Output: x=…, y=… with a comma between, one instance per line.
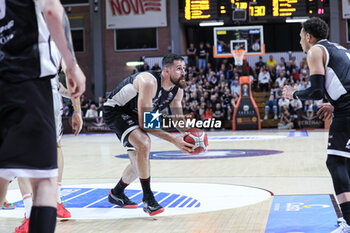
x=58, y=111
x=11, y=173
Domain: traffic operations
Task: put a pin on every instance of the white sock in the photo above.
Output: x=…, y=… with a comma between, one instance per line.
x=28, y=203
x=59, y=184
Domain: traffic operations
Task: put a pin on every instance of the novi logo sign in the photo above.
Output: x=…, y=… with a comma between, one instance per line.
x=125, y=7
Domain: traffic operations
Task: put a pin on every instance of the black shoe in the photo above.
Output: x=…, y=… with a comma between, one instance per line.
x=152, y=207
x=122, y=200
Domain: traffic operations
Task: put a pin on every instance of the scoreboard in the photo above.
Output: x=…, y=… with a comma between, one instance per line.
x=256, y=10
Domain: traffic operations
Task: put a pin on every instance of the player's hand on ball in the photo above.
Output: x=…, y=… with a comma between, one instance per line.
x=182, y=144
x=325, y=111
x=198, y=138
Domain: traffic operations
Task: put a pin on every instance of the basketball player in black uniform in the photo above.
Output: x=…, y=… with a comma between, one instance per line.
x=27, y=126
x=123, y=112
x=329, y=65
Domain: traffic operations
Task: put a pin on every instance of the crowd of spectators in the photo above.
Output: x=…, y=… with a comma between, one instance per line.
x=213, y=87
x=272, y=77
x=89, y=108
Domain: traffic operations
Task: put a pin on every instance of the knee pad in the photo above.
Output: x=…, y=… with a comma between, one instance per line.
x=339, y=171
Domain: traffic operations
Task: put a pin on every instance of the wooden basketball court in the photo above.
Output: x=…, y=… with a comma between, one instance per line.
x=299, y=169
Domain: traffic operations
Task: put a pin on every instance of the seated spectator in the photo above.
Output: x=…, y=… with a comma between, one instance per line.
x=295, y=106
x=295, y=74
x=193, y=98
x=264, y=80
x=289, y=68
x=214, y=99
x=208, y=113
x=279, y=68
x=201, y=111
x=281, y=79
x=298, y=84
x=271, y=64
x=201, y=74
x=306, y=84
x=286, y=121
x=294, y=62
x=271, y=107
x=310, y=106
x=303, y=62
x=92, y=112
x=226, y=100
x=235, y=99
x=283, y=62
x=218, y=113
x=282, y=104
x=235, y=87
x=260, y=64
x=304, y=70
x=101, y=101
x=213, y=80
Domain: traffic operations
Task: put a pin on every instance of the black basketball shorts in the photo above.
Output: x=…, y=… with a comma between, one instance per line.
x=122, y=123
x=27, y=130
x=339, y=137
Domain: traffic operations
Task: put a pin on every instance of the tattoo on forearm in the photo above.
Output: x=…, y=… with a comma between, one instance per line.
x=68, y=35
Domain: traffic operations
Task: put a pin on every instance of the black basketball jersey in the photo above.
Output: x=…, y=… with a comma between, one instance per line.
x=124, y=97
x=24, y=41
x=337, y=83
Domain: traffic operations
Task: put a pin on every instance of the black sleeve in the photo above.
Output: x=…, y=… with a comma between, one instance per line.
x=315, y=91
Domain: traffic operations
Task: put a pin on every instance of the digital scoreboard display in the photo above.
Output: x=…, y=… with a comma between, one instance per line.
x=200, y=10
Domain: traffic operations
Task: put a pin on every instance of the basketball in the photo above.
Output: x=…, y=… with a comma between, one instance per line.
x=198, y=138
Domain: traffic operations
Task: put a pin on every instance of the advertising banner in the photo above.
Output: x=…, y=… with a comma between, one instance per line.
x=135, y=14
x=246, y=114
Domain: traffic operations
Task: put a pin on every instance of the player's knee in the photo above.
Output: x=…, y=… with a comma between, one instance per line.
x=144, y=144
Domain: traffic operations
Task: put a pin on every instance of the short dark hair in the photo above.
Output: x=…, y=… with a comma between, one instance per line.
x=170, y=58
x=316, y=27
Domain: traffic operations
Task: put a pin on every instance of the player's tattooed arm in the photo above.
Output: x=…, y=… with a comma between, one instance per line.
x=67, y=33
x=58, y=25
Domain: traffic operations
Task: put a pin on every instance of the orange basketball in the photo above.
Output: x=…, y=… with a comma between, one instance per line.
x=198, y=138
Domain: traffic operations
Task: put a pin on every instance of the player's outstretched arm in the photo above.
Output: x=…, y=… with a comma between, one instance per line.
x=58, y=25
x=146, y=85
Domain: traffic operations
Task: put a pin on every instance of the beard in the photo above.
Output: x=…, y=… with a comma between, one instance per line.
x=181, y=83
